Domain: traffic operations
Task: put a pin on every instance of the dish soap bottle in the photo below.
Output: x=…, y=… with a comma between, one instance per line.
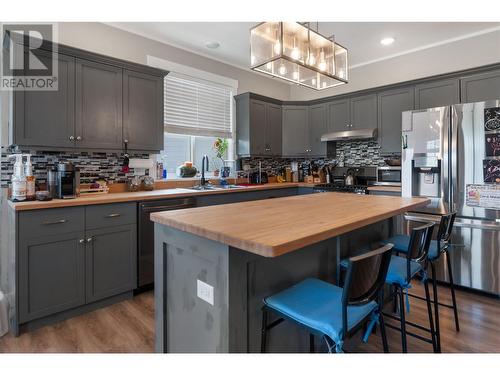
x=18, y=179
x=30, y=179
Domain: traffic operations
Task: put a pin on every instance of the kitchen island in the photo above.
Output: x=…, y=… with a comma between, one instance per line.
x=214, y=265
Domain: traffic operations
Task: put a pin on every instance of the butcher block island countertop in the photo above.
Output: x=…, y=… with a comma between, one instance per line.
x=274, y=227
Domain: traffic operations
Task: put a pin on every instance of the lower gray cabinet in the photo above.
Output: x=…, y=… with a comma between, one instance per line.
x=111, y=264
x=51, y=274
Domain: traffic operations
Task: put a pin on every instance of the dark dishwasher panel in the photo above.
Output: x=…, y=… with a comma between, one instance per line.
x=146, y=240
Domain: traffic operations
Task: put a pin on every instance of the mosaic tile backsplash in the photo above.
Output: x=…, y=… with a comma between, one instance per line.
x=352, y=153
x=93, y=165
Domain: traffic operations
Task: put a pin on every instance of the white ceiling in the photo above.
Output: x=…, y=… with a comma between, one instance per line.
x=361, y=38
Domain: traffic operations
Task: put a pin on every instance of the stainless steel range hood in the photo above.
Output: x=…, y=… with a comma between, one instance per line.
x=350, y=135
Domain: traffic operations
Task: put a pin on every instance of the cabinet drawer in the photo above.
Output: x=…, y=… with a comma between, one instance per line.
x=108, y=215
x=51, y=221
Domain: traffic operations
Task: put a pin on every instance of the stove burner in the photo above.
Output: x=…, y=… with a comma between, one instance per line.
x=356, y=189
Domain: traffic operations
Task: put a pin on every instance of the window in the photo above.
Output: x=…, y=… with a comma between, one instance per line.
x=197, y=112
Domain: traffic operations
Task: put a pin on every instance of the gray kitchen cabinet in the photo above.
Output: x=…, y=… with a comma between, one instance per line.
x=47, y=118
x=273, y=129
x=317, y=127
x=437, y=93
x=142, y=111
x=111, y=261
x=480, y=87
x=258, y=126
x=339, y=115
x=51, y=274
x=295, y=131
x=391, y=104
x=364, y=112
x=98, y=105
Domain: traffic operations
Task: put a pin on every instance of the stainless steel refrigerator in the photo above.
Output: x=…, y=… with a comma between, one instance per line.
x=452, y=155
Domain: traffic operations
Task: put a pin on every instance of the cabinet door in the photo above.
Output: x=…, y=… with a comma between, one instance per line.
x=142, y=111
x=98, y=105
x=364, y=112
x=317, y=127
x=339, y=116
x=51, y=274
x=480, y=87
x=273, y=129
x=111, y=265
x=258, y=111
x=47, y=118
x=295, y=131
x=391, y=104
x=437, y=93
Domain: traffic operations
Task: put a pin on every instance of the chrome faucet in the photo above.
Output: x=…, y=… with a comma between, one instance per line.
x=203, y=181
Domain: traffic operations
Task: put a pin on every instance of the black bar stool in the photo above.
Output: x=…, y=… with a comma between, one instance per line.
x=437, y=248
x=329, y=311
x=402, y=270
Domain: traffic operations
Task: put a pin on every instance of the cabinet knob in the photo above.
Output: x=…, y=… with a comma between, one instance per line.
x=71, y=138
x=125, y=141
x=81, y=240
x=78, y=138
x=89, y=239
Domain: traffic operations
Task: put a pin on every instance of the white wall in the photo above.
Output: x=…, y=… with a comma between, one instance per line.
x=107, y=40
x=463, y=54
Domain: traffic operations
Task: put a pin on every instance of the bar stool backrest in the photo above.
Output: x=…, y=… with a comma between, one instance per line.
x=418, y=248
x=445, y=229
x=365, y=278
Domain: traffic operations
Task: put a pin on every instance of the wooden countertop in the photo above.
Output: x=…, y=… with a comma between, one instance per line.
x=140, y=196
x=396, y=189
x=274, y=227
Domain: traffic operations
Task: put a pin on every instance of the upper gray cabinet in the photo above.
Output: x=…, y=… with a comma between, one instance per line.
x=258, y=127
x=480, y=87
x=364, y=112
x=317, y=127
x=339, y=115
x=98, y=105
x=296, y=131
x=437, y=93
x=142, y=111
x=391, y=104
x=99, y=100
x=47, y=118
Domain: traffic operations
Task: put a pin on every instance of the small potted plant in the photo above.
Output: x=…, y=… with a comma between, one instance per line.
x=220, y=146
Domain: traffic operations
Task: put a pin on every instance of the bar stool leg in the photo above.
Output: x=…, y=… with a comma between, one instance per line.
x=436, y=307
x=311, y=343
x=394, y=299
x=263, y=336
x=429, y=312
x=382, y=333
x=403, y=319
x=452, y=289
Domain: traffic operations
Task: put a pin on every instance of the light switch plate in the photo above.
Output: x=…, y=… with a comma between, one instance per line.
x=205, y=291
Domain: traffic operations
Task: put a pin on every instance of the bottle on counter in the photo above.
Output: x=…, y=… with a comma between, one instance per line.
x=30, y=180
x=18, y=179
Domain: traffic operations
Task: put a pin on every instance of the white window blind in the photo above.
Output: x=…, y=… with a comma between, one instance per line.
x=197, y=107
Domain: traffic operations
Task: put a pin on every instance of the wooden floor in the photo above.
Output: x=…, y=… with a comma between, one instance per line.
x=128, y=327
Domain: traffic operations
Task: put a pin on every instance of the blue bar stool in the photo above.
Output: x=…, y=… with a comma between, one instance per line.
x=437, y=247
x=402, y=270
x=331, y=312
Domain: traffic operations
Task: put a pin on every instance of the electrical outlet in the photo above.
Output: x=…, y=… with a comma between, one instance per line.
x=205, y=291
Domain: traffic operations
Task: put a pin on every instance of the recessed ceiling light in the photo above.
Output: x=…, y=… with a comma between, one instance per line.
x=212, y=45
x=387, y=41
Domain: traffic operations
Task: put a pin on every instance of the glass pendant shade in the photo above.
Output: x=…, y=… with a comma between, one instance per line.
x=294, y=52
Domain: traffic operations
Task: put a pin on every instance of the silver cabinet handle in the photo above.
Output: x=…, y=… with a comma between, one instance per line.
x=113, y=215
x=71, y=138
x=81, y=240
x=89, y=239
x=62, y=221
x=125, y=141
x=78, y=138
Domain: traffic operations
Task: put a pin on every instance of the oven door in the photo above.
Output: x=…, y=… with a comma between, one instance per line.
x=389, y=176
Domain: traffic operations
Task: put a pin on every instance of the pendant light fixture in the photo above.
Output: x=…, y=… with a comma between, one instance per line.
x=296, y=53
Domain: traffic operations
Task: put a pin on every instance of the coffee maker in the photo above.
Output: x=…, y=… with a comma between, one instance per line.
x=67, y=180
